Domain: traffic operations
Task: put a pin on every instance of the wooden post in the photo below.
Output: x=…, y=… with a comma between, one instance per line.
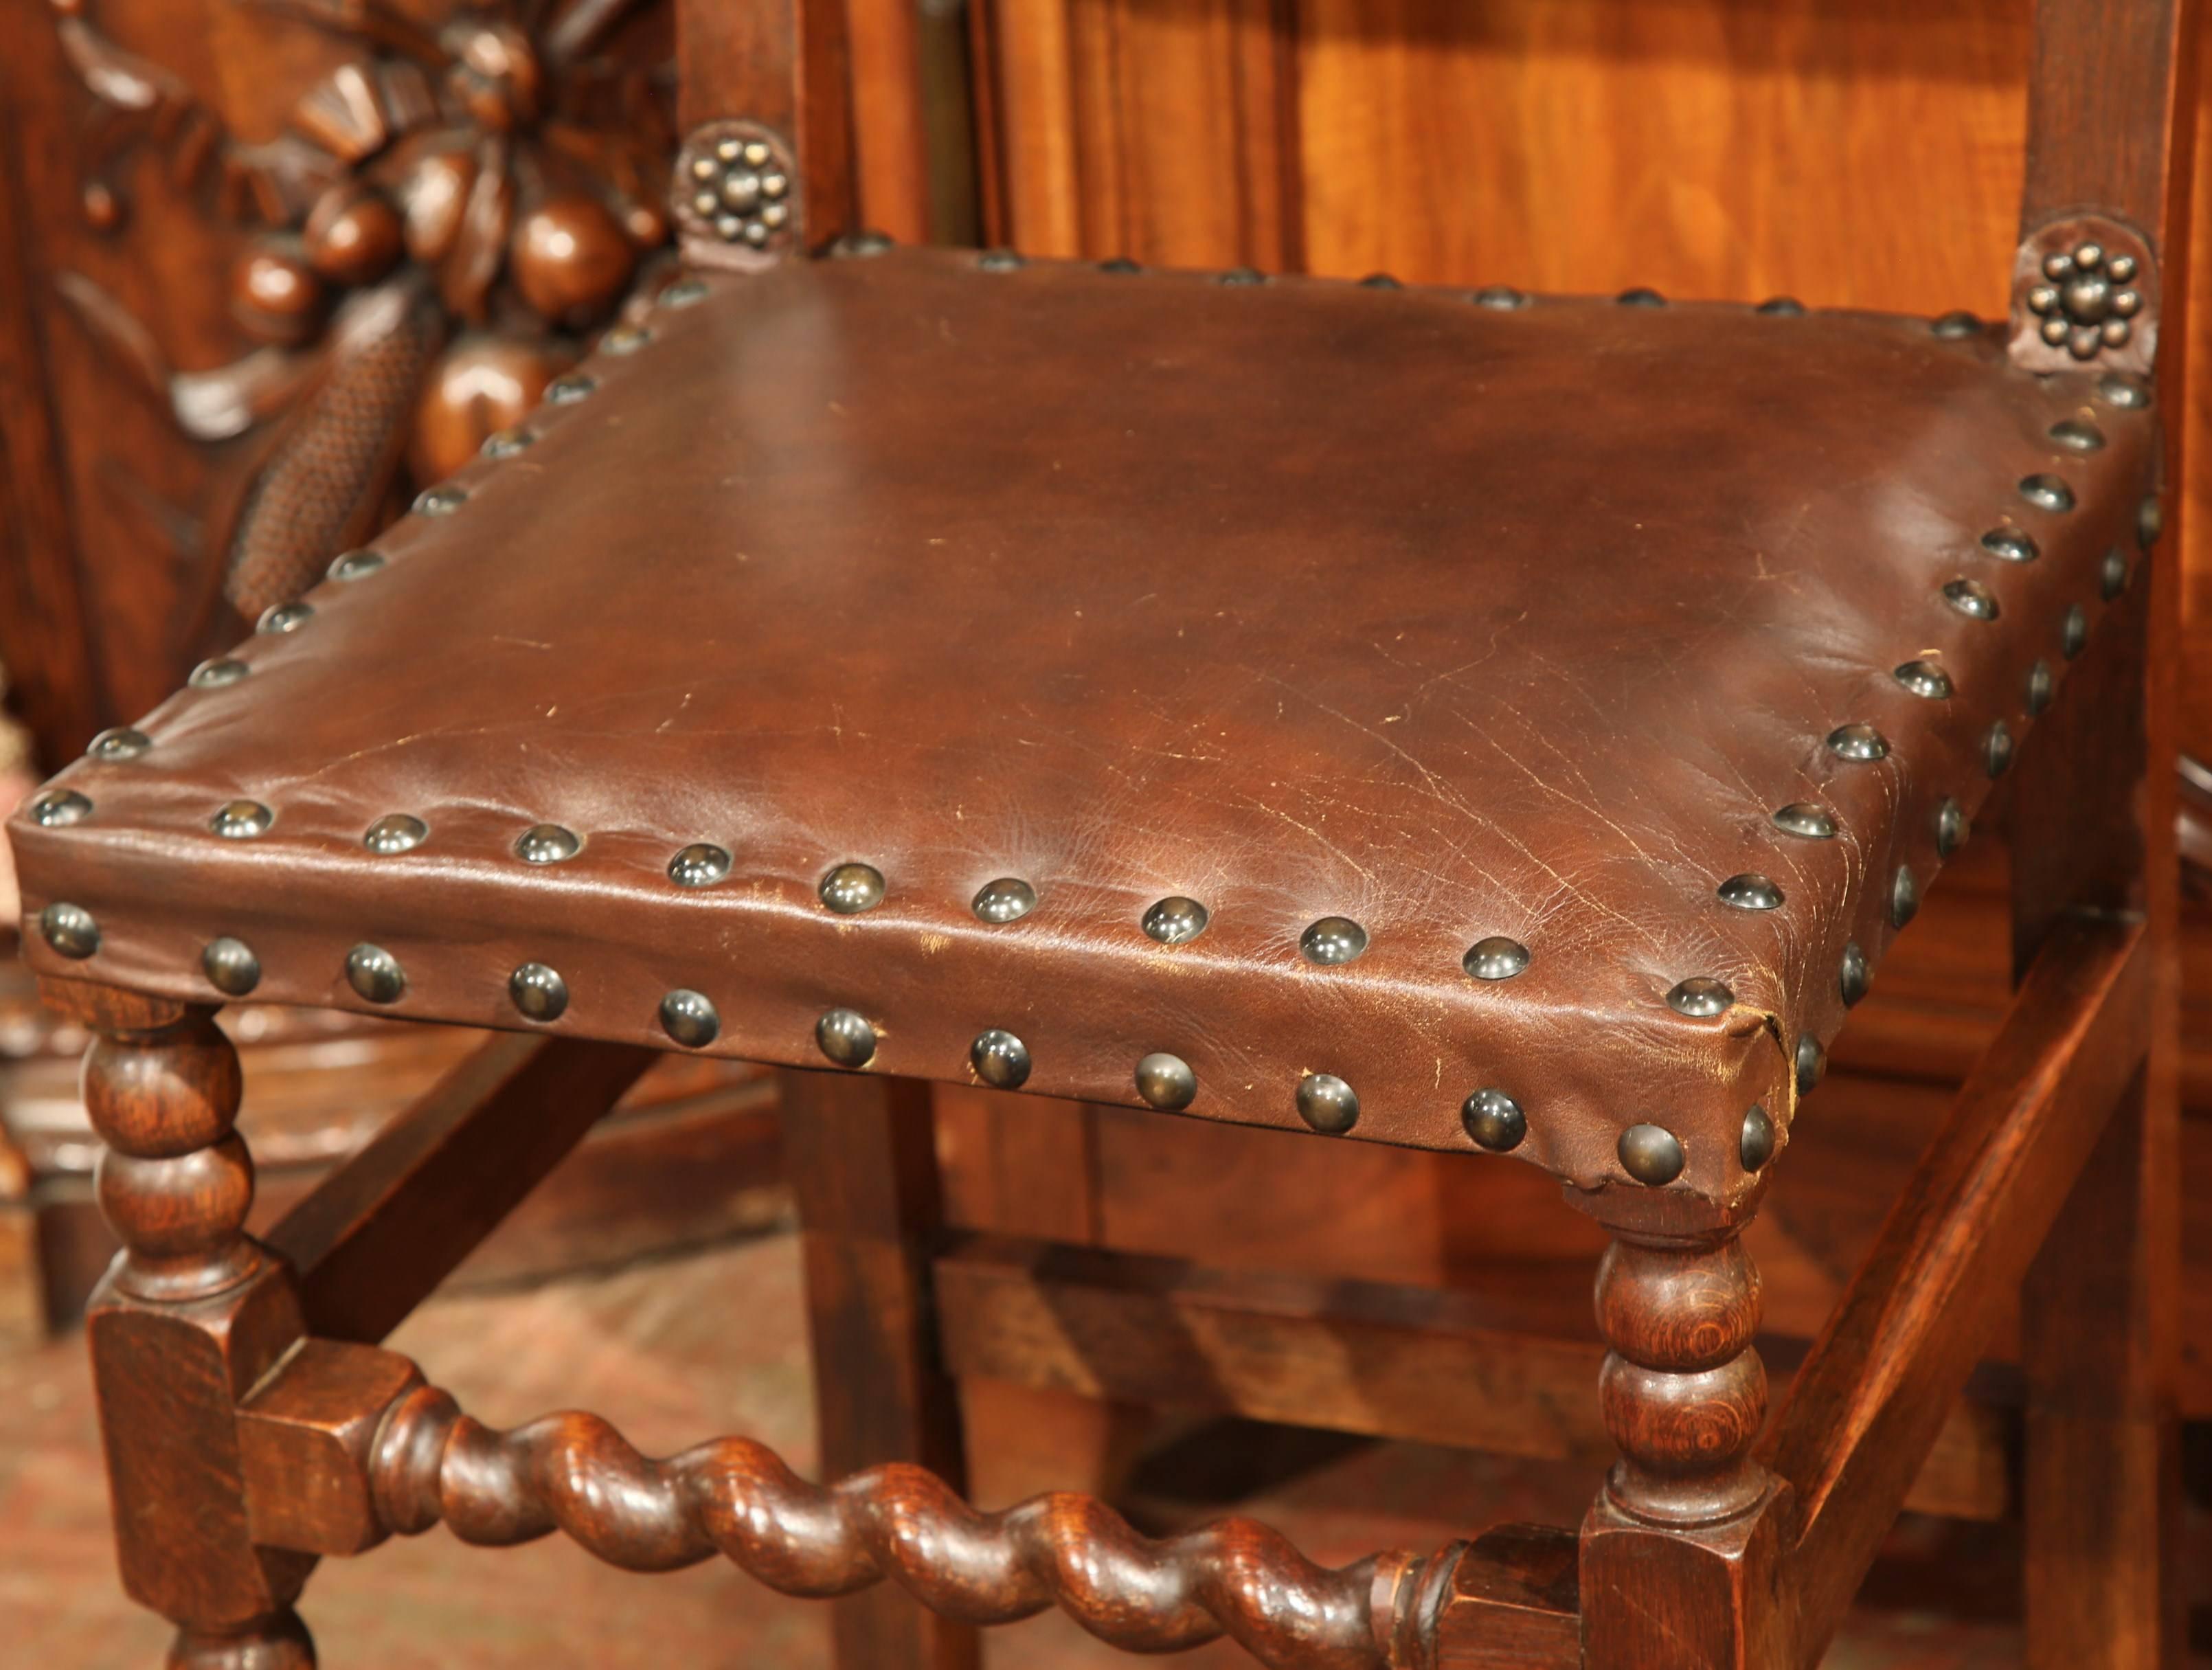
x=1681, y=1551
x=860, y=1152
x=191, y=1316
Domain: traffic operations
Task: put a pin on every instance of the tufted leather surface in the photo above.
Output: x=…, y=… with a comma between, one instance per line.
x=1302, y=600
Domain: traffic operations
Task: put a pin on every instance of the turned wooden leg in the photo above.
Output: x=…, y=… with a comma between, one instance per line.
x=1680, y=1553
x=192, y=1315
x=860, y=1152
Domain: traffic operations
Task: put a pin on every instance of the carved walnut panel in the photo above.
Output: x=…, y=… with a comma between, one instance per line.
x=285, y=258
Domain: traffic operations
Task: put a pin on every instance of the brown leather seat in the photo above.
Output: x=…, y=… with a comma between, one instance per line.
x=1506, y=630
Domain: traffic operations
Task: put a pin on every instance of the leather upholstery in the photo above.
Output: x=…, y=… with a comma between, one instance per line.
x=1303, y=599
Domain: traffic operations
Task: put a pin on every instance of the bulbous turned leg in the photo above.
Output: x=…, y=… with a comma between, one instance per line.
x=1680, y=1550
x=1683, y=1392
x=189, y=1316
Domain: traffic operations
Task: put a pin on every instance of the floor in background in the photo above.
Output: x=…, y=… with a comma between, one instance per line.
x=675, y=1351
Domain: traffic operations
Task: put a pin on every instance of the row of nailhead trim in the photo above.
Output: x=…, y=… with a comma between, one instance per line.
x=1492, y=1118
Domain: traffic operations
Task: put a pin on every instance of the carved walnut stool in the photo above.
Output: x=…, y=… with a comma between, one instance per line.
x=1504, y=724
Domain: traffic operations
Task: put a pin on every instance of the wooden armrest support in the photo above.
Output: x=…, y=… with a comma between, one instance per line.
x=378, y=1235
x=344, y=1444
x=1864, y=1410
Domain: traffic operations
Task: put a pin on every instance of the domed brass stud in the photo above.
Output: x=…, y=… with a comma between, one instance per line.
x=1327, y=1103
x=1495, y=958
x=1925, y=678
x=279, y=618
x=1972, y=598
x=625, y=339
x=567, y=390
x=374, y=974
x=2040, y=686
x=2078, y=435
x=58, y=808
x=508, y=443
x=1812, y=1062
x=850, y=889
x=1006, y=900
x=1494, y=1121
x=683, y=293
x=1750, y=892
x=2124, y=390
x=439, y=501
x=1166, y=1081
x=1781, y=307
x=688, y=1017
x=230, y=966
x=1000, y=1060
x=1700, y=997
x=1956, y=325
x=1903, y=897
x=121, y=743
x=1951, y=828
x=2112, y=576
x=395, y=832
x=1806, y=821
x=1501, y=298
x=2046, y=492
x=355, y=565
x=1858, y=742
x=242, y=820
x=1651, y=1154
x=2150, y=522
x=1175, y=920
x=2074, y=632
x=2010, y=545
x=1641, y=296
x=1852, y=977
x=862, y=246
x=537, y=992
x=845, y=1036
x=1333, y=941
x=1755, y=1146
x=1000, y=261
x=699, y=864
x=215, y=674
x=71, y=930
x=547, y=843
x=1996, y=749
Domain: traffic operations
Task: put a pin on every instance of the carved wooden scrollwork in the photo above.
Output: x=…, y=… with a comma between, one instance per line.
x=576, y=1474
x=442, y=214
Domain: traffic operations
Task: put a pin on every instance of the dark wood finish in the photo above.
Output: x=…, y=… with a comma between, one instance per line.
x=423, y=1462
x=1864, y=1410
x=371, y=1242
x=1510, y=1603
x=785, y=63
x=860, y=1152
x=690, y=1156
x=198, y=188
x=1682, y=1551
x=1501, y=1361
x=304, y=1438
x=191, y=1317
x=2109, y=118
x=2101, y=1474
